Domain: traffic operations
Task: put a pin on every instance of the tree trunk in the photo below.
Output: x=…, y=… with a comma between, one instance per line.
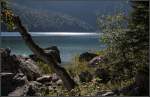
x=68, y=82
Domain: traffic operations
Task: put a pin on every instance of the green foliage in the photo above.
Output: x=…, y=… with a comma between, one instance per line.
x=76, y=67
x=85, y=89
x=139, y=32
x=88, y=89
x=127, y=39
x=44, y=68
x=7, y=16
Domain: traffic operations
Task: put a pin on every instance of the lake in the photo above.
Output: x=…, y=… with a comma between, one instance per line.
x=69, y=43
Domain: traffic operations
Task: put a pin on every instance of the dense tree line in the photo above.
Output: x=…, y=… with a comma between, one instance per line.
x=127, y=39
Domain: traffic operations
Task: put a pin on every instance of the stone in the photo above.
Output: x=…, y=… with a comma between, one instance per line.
x=50, y=88
x=15, y=64
x=34, y=89
x=30, y=89
x=44, y=79
x=19, y=79
x=9, y=63
x=87, y=56
x=29, y=68
x=15, y=73
x=6, y=83
x=108, y=94
x=95, y=61
x=19, y=91
x=59, y=82
x=11, y=82
x=85, y=76
x=105, y=93
x=55, y=77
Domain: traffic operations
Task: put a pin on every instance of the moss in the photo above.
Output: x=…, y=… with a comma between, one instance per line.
x=88, y=89
x=76, y=67
x=83, y=89
x=44, y=67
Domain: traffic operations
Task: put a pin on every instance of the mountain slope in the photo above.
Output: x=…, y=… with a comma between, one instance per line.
x=39, y=20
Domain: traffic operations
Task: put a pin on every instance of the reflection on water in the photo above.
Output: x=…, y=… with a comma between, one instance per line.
x=69, y=45
x=52, y=34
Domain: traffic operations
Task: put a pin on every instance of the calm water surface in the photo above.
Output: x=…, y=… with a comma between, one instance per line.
x=69, y=44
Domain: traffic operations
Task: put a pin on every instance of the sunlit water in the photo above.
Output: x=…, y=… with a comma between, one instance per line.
x=69, y=43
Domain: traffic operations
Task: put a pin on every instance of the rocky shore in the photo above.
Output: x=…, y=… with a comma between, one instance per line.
x=20, y=76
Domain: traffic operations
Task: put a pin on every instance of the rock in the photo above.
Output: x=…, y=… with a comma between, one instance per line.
x=15, y=73
x=103, y=74
x=29, y=68
x=86, y=56
x=95, y=61
x=59, y=82
x=5, y=52
x=34, y=89
x=50, y=88
x=108, y=94
x=85, y=76
x=9, y=63
x=19, y=79
x=53, y=50
x=55, y=77
x=48, y=83
x=15, y=64
x=12, y=82
x=44, y=79
x=105, y=93
x=6, y=83
x=30, y=89
x=19, y=91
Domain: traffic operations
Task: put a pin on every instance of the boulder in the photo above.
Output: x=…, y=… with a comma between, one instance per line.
x=20, y=91
x=103, y=74
x=85, y=76
x=30, y=89
x=87, y=56
x=34, y=89
x=20, y=79
x=53, y=50
x=44, y=79
x=9, y=63
x=11, y=82
x=55, y=77
x=15, y=64
x=106, y=93
x=29, y=68
x=95, y=61
x=59, y=82
x=15, y=73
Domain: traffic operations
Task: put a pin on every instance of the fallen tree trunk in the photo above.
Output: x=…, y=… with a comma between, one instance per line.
x=68, y=82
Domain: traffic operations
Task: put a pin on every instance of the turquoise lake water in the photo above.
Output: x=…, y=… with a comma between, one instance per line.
x=69, y=44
